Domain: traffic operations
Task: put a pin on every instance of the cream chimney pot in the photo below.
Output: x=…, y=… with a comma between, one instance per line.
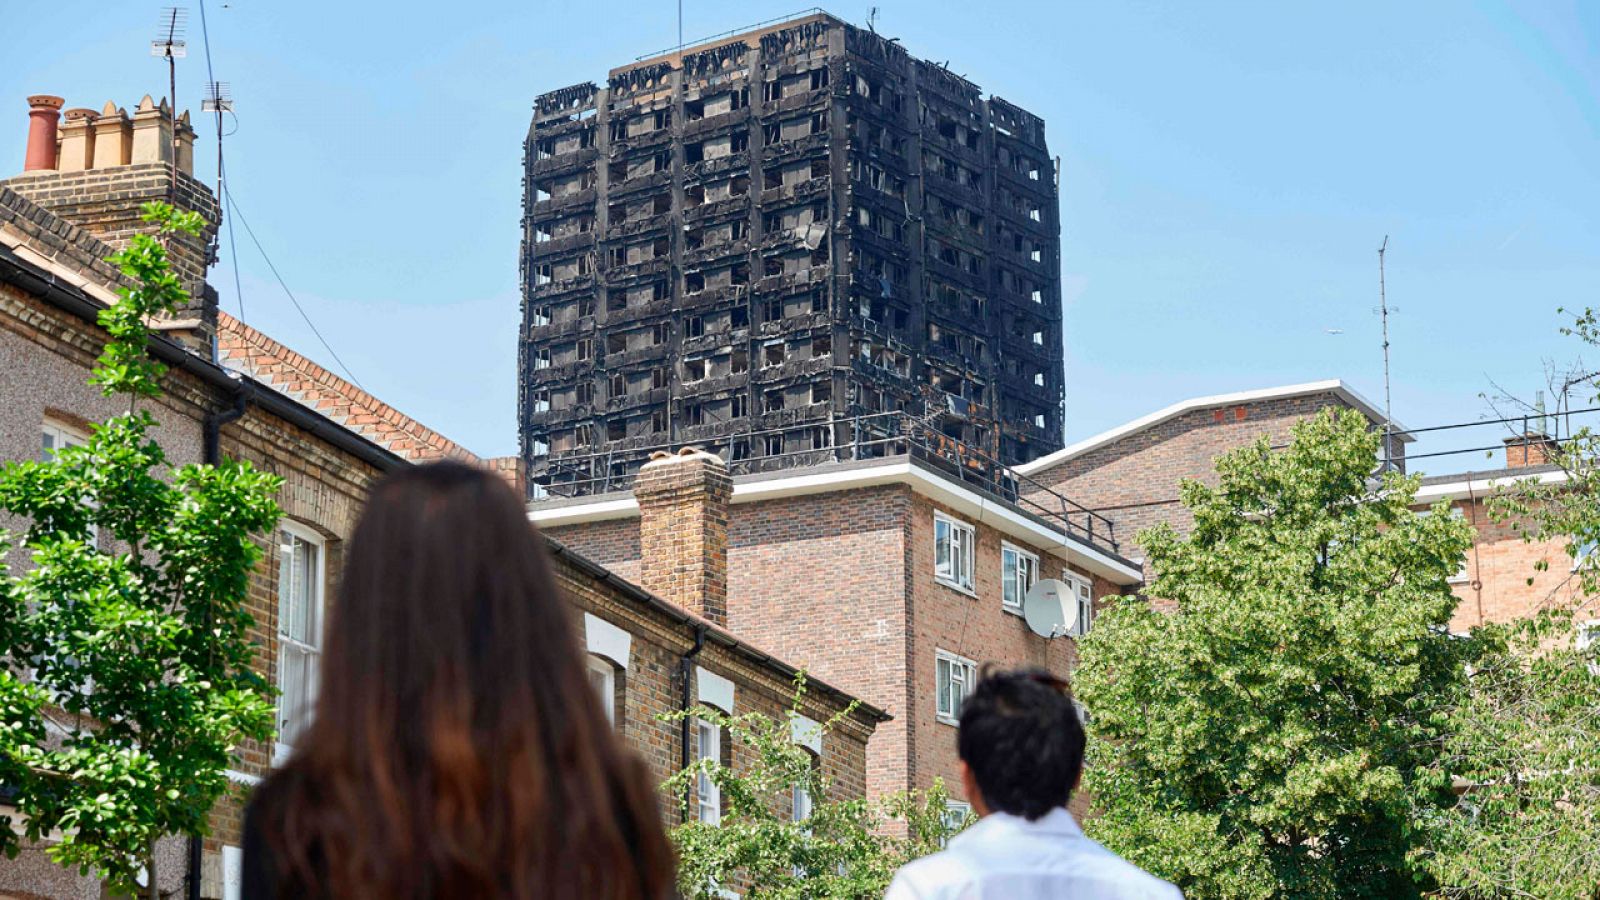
x=152, y=133
x=77, y=140
x=111, y=138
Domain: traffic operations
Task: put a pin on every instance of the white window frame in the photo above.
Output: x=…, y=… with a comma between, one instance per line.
x=62, y=435
x=603, y=678
x=956, y=812
x=953, y=667
x=963, y=540
x=317, y=605
x=1019, y=571
x=1588, y=634
x=1083, y=595
x=708, y=794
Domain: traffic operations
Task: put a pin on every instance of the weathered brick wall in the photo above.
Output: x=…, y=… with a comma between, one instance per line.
x=820, y=580
x=323, y=490
x=45, y=358
x=105, y=203
x=613, y=543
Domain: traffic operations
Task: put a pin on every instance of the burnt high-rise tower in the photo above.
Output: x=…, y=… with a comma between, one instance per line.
x=768, y=245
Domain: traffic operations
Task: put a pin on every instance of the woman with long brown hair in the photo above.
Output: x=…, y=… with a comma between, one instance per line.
x=457, y=749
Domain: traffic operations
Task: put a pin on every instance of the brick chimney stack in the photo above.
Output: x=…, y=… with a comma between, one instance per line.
x=683, y=530
x=97, y=169
x=1530, y=449
x=44, y=113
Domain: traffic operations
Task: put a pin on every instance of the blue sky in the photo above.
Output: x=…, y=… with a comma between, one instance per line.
x=1228, y=171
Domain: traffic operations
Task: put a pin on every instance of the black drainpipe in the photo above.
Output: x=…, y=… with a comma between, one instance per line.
x=211, y=454
x=686, y=672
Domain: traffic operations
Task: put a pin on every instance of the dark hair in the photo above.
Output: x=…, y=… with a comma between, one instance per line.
x=1021, y=737
x=458, y=749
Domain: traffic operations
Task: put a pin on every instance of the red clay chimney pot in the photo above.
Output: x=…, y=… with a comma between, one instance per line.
x=44, y=114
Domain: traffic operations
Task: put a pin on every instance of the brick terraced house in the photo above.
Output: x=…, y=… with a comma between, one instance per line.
x=757, y=243
x=253, y=398
x=894, y=577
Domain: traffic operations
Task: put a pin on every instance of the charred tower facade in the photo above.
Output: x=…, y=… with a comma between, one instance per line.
x=785, y=247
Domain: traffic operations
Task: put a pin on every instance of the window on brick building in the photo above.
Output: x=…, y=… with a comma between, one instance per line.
x=954, y=677
x=603, y=678
x=953, y=544
x=300, y=609
x=956, y=814
x=1083, y=594
x=708, y=795
x=1019, y=569
x=54, y=435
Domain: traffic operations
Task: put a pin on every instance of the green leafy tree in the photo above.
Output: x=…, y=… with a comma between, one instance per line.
x=1525, y=747
x=1526, y=743
x=843, y=849
x=125, y=673
x=1279, y=734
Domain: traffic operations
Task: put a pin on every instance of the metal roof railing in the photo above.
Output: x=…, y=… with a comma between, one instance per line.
x=869, y=436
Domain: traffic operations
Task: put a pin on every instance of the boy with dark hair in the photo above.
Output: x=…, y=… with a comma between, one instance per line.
x=1021, y=746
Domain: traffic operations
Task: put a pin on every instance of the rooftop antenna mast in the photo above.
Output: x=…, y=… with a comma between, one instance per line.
x=1383, y=311
x=169, y=44
x=219, y=97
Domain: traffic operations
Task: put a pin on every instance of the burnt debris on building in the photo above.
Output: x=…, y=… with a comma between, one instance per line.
x=788, y=247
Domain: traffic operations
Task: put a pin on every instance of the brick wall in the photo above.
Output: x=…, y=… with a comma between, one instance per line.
x=1501, y=581
x=974, y=627
x=105, y=203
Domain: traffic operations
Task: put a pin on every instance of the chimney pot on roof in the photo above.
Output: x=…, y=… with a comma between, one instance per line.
x=77, y=140
x=44, y=115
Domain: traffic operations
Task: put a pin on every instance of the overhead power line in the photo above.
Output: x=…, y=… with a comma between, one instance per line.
x=233, y=207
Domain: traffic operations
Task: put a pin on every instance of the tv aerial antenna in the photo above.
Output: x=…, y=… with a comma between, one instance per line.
x=219, y=100
x=170, y=45
x=1383, y=312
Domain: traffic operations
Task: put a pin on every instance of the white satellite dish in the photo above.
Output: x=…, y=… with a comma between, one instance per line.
x=1050, y=609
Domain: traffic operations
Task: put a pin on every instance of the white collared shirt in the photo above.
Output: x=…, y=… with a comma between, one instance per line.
x=1006, y=857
